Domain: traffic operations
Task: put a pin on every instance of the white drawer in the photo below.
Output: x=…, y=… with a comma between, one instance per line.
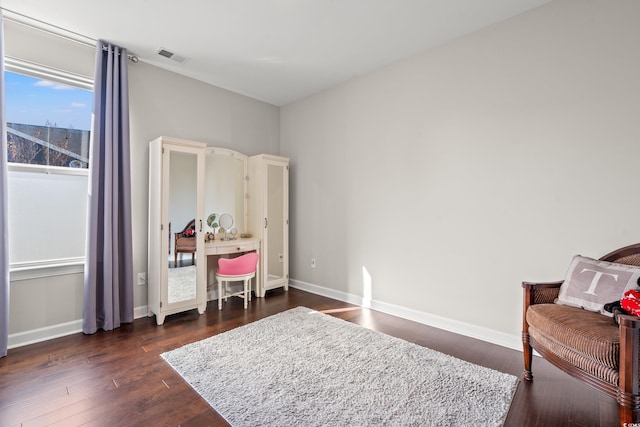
x=231, y=247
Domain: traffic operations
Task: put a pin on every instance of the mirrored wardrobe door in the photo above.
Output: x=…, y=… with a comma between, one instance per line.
x=183, y=231
x=275, y=216
x=175, y=266
x=269, y=218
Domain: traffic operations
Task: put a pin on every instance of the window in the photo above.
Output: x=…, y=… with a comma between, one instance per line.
x=48, y=130
x=48, y=122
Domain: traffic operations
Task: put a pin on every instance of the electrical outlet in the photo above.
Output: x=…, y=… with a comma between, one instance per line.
x=280, y=259
x=142, y=279
x=313, y=263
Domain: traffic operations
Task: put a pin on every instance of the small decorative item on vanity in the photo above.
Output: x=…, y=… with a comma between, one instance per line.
x=212, y=221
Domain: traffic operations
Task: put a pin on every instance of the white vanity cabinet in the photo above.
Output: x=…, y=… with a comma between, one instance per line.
x=269, y=218
x=176, y=189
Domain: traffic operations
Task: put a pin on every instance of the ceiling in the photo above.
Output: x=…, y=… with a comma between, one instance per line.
x=277, y=51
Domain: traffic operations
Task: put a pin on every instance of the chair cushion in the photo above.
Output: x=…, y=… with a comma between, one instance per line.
x=185, y=243
x=586, y=339
x=237, y=266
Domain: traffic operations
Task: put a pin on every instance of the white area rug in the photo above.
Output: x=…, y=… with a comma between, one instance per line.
x=304, y=368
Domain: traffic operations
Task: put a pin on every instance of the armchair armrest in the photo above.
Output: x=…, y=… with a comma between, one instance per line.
x=628, y=321
x=540, y=292
x=542, y=285
x=535, y=293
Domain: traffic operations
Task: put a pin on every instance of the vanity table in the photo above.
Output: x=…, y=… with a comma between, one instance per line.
x=237, y=246
x=193, y=183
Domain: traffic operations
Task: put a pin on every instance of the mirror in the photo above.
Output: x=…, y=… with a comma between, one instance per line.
x=226, y=221
x=182, y=235
x=226, y=224
x=276, y=215
x=225, y=188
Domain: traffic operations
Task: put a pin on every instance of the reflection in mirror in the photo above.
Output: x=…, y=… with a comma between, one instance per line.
x=275, y=213
x=183, y=170
x=226, y=221
x=182, y=284
x=225, y=185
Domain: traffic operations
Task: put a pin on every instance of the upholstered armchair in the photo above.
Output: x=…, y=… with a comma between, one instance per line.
x=185, y=242
x=587, y=344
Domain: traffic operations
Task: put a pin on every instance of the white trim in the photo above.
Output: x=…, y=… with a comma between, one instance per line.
x=47, y=268
x=462, y=328
x=39, y=71
x=51, y=170
x=34, y=336
x=326, y=292
x=142, y=311
x=467, y=329
x=36, y=24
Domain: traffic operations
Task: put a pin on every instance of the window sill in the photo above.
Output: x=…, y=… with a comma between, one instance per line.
x=43, y=269
x=56, y=170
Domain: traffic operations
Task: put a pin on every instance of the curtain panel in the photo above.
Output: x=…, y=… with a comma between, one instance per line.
x=4, y=211
x=108, y=278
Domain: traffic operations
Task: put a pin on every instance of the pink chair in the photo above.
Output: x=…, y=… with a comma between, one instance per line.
x=242, y=268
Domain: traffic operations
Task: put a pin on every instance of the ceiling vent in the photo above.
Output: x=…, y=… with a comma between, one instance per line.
x=172, y=56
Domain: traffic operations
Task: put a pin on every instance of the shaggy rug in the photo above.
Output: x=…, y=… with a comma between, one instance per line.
x=304, y=368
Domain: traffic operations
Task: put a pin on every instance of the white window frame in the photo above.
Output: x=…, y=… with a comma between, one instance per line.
x=55, y=267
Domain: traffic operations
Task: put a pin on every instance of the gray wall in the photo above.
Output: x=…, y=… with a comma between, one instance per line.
x=447, y=179
x=164, y=103
x=442, y=181
x=161, y=103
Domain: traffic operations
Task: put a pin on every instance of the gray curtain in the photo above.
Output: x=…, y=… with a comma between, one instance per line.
x=4, y=211
x=108, y=277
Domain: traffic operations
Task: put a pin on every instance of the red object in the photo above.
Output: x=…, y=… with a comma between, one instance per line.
x=190, y=232
x=630, y=302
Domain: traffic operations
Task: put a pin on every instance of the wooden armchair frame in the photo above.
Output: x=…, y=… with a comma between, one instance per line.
x=627, y=391
x=183, y=244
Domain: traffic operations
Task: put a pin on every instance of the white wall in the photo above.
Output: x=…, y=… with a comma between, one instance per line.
x=161, y=103
x=451, y=177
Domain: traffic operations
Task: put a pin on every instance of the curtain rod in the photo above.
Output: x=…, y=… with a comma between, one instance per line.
x=131, y=57
x=79, y=38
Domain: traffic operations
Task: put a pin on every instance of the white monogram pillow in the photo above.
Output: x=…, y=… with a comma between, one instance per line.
x=590, y=283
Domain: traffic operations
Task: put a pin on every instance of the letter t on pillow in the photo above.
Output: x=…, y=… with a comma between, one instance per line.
x=590, y=284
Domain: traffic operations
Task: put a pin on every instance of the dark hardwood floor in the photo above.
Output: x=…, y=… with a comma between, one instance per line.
x=117, y=378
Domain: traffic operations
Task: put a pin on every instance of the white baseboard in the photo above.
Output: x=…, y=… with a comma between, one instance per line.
x=142, y=311
x=485, y=334
x=478, y=332
x=33, y=336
